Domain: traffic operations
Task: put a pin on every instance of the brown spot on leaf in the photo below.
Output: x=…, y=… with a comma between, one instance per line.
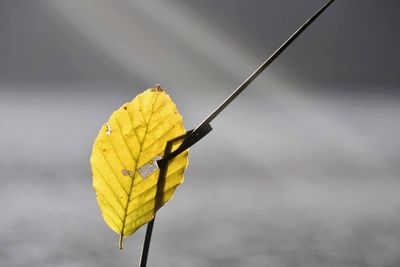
x=127, y=173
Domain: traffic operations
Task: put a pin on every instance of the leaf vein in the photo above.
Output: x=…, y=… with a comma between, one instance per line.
x=126, y=144
x=133, y=127
x=104, y=179
x=112, y=206
x=112, y=170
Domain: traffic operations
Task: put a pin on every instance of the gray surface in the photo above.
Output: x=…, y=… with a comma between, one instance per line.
x=297, y=172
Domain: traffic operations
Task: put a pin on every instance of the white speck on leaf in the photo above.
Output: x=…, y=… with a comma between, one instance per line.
x=109, y=130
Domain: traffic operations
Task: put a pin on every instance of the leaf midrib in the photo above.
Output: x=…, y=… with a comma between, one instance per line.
x=140, y=152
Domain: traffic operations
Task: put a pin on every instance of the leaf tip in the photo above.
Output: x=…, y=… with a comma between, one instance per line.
x=157, y=88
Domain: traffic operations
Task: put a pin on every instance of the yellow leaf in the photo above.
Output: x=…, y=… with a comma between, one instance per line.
x=123, y=159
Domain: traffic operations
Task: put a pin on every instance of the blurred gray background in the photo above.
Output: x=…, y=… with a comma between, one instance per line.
x=303, y=169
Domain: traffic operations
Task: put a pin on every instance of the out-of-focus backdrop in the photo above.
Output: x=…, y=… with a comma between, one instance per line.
x=303, y=169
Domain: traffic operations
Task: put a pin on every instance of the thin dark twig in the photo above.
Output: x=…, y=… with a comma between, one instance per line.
x=146, y=243
x=204, y=128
